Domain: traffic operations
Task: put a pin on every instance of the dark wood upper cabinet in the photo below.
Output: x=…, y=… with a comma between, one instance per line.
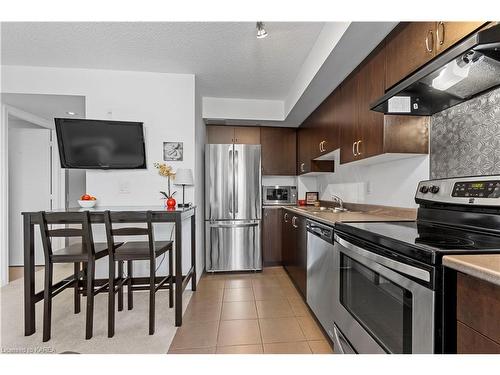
x=279, y=151
x=347, y=119
x=220, y=134
x=271, y=236
x=224, y=134
x=408, y=49
x=448, y=33
x=247, y=135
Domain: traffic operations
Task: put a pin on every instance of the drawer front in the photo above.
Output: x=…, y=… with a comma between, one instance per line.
x=478, y=305
x=470, y=341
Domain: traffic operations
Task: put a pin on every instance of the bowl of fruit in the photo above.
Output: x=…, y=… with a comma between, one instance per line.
x=87, y=201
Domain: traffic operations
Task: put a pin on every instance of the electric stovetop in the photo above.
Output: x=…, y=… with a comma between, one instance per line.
x=422, y=241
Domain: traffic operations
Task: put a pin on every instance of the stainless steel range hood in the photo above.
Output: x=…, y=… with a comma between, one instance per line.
x=464, y=71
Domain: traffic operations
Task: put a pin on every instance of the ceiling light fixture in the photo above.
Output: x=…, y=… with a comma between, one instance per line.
x=261, y=32
x=71, y=113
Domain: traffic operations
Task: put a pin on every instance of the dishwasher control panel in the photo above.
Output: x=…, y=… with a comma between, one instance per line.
x=323, y=231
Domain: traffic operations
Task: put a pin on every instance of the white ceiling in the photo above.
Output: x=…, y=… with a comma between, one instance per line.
x=47, y=107
x=227, y=58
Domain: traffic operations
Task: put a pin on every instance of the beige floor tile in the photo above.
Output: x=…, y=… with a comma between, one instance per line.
x=239, y=310
x=320, y=347
x=290, y=292
x=298, y=306
x=238, y=294
x=265, y=281
x=240, y=349
x=193, y=351
x=284, y=281
x=195, y=335
x=210, y=284
x=310, y=328
x=202, y=312
x=277, y=308
x=281, y=330
x=278, y=270
x=245, y=282
x=207, y=296
x=238, y=332
x=299, y=347
x=267, y=293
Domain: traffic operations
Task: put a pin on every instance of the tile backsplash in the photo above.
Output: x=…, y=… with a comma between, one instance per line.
x=465, y=139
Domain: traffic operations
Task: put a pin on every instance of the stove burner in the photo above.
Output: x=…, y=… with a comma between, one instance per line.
x=446, y=242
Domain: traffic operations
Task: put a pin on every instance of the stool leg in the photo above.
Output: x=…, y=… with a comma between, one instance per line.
x=47, y=301
x=77, y=288
x=130, y=301
x=111, y=298
x=151, y=296
x=90, y=299
x=120, y=286
x=171, y=281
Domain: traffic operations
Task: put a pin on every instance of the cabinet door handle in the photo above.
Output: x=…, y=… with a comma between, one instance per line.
x=354, y=149
x=320, y=144
x=285, y=218
x=441, y=26
x=323, y=146
x=357, y=147
x=294, y=220
x=302, y=167
x=429, y=43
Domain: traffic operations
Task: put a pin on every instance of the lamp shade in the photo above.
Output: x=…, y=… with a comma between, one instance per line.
x=184, y=176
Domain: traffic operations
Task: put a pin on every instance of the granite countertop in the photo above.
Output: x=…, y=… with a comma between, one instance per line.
x=356, y=213
x=483, y=266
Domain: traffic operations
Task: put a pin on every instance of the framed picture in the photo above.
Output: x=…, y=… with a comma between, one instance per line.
x=173, y=151
x=311, y=197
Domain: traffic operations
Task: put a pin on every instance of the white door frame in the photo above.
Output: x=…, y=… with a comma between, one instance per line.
x=58, y=178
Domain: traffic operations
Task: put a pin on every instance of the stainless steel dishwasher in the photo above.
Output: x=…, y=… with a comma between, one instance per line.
x=320, y=273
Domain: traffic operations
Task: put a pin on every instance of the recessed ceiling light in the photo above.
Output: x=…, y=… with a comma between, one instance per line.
x=261, y=32
x=71, y=113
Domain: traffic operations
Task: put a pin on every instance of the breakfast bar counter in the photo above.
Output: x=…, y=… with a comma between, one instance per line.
x=131, y=214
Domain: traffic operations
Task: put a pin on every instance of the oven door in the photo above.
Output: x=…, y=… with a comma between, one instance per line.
x=378, y=308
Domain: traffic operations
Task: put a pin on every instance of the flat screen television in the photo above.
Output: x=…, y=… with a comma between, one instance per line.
x=100, y=144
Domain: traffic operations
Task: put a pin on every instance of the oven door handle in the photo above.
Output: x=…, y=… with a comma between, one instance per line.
x=403, y=268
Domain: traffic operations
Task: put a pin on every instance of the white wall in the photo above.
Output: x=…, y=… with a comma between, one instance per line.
x=199, y=179
x=390, y=183
x=243, y=109
x=164, y=102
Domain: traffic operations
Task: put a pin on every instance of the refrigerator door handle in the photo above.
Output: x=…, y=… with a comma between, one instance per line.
x=231, y=182
x=236, y=177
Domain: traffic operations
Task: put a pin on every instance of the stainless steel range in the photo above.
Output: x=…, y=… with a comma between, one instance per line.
x=388, y=275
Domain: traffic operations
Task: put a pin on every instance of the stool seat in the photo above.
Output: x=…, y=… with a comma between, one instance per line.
x=139, y=250
x=78, y=253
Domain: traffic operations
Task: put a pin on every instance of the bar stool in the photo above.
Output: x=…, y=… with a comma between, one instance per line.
x=86, y=252
x=130, y=251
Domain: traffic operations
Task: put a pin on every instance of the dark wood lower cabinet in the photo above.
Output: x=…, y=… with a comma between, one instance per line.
x=294, y=237
x=271, y=236
x=478, y=316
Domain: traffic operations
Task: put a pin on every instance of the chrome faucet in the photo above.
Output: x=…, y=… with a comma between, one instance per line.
x=339, y=200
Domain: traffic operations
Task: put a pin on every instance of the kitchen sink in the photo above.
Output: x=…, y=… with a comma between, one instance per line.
x=314, y=210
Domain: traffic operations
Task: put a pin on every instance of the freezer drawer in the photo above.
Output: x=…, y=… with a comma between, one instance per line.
x=233, y=245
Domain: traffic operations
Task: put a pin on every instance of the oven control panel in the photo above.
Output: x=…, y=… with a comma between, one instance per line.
x=476, y=190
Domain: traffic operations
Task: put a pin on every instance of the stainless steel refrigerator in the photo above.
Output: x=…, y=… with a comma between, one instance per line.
x=233, y=207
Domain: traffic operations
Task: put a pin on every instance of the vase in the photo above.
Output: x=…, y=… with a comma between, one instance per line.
x=171, y=203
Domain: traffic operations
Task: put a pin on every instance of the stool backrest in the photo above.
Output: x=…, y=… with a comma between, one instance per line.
x=111, y=233
x=84, y=232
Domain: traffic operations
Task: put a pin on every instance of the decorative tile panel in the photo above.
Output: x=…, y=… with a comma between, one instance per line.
x=465, y=139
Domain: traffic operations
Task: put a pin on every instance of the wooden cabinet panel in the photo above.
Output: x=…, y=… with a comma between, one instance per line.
x=406, y=134
x=294, y=251
x=470, y=341
x=370, y=123
x=478, y=305
x=271, y=236
x=448, y=33
x=409, y=49
x=247, y=135
x=304, y=144
x=279, y=151
x=347, y=120
x=220, y=134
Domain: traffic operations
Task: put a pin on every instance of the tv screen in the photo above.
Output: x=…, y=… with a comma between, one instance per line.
x=100, y=144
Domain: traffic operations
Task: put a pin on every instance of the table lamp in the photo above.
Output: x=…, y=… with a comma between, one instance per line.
x=184, y=176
